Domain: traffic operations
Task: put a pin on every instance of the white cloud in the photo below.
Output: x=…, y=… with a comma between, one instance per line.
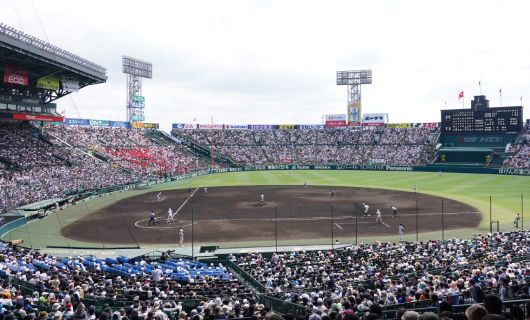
x=275, y=61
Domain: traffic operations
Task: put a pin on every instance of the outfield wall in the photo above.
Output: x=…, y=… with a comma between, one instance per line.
x=376, y=167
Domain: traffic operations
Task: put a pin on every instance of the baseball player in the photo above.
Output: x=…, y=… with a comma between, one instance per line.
x=170, y=216
x=401, y=231
x=305, y=184
x=262, y=199
x=378, y=216
x=332, y=193
x=181, y=237
x=205, y=191
x=159, y=196
x=366, y=208
x=516, y=220
x=152, y=218
x=394, y=211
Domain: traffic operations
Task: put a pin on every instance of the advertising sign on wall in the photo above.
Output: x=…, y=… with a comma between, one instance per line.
x=15, y=75
x=210, y=126
x=186, y=126
x=76, y=122
x=48, y=82
x=236, y=126
x=335, y=117
x=375, y=119
x=30, y=117
x=354, y=113
x=336, y=124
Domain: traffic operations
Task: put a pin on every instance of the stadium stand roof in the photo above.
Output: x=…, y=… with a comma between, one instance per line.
x=41, y=59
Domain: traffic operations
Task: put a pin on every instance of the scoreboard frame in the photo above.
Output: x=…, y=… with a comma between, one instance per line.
x=503, y=120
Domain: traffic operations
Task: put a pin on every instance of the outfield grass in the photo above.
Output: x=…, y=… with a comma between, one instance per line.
x=473, y=189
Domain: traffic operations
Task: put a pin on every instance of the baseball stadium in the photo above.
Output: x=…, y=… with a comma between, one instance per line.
x=355, y=217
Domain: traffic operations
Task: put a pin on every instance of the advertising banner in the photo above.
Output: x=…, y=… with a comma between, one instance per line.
x=30, y=117
x=185, y=126
x=138, y=98
x=76, y=122
x=70, y=85
x=430, y=125
x=137, y=104
x=236, y=126
x=260, y=127
x=335, y=117
x=311, y=126
x=399, y=125
x=210, y=126
x=336, y=124
x=375, y=119
x=354, y=113
x=286, y=126
x=119, y=124
x=99, y=123
x=48, y=82
x=149, y=125
x=15, y=75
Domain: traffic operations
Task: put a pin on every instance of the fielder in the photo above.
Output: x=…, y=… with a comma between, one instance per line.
x=170, y=216
x=262, y=200
x=159, y=196
x=332, y=193
x=378, y=217
x=516, y=220
x=181, y=237
x=366, y=208
x=305, y=184
x=205, y=191
x=152, y=218
x=401, y=232
x=394, y=211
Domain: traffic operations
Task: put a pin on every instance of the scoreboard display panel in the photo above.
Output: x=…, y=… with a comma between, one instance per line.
x=487, y=121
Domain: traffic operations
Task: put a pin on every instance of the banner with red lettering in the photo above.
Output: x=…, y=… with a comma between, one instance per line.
x=15, y=75
x=31, y=117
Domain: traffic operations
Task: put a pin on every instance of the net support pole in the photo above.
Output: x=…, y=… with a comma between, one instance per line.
x=417, y=221
x=491, y=227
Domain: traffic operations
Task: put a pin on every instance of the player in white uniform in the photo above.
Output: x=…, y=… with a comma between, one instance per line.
x=366, y=208
x=516, y=220
x=262, y=200
x=378, y=216
x=159, y=196
x=401, y=231
x=305, y=184
x=170, y=215
x=181, y=237
x=205, y=191
x=394, y=211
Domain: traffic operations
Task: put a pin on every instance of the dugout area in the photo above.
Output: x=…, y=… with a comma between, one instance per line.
x=291, y=215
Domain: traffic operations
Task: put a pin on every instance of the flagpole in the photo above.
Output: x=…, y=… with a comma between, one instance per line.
x=500, y=94
x=480, y=85
x=463, y=98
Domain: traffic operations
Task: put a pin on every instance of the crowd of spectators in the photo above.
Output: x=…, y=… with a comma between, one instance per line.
x=148, y=288
x=36, y=169
x=519, y=152
x=39, y=164
x=348, y=283
x=130, y=149
x=318, y=146
x=386, y=274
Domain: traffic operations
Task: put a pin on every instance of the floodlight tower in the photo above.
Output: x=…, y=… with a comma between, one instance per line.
x=353, y=79
x=135, y=70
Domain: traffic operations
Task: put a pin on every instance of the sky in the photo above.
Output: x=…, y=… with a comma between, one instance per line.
x=275, y=62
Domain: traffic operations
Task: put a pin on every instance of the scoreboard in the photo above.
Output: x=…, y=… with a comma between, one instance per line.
x=487, y=121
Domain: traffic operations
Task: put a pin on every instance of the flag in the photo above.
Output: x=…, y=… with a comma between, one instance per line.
x=479, y=83
x=194, y=119
x=461, y=95
x=500, y=91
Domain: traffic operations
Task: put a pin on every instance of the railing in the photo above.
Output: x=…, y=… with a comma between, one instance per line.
x=45, y=46
x=255, y=284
